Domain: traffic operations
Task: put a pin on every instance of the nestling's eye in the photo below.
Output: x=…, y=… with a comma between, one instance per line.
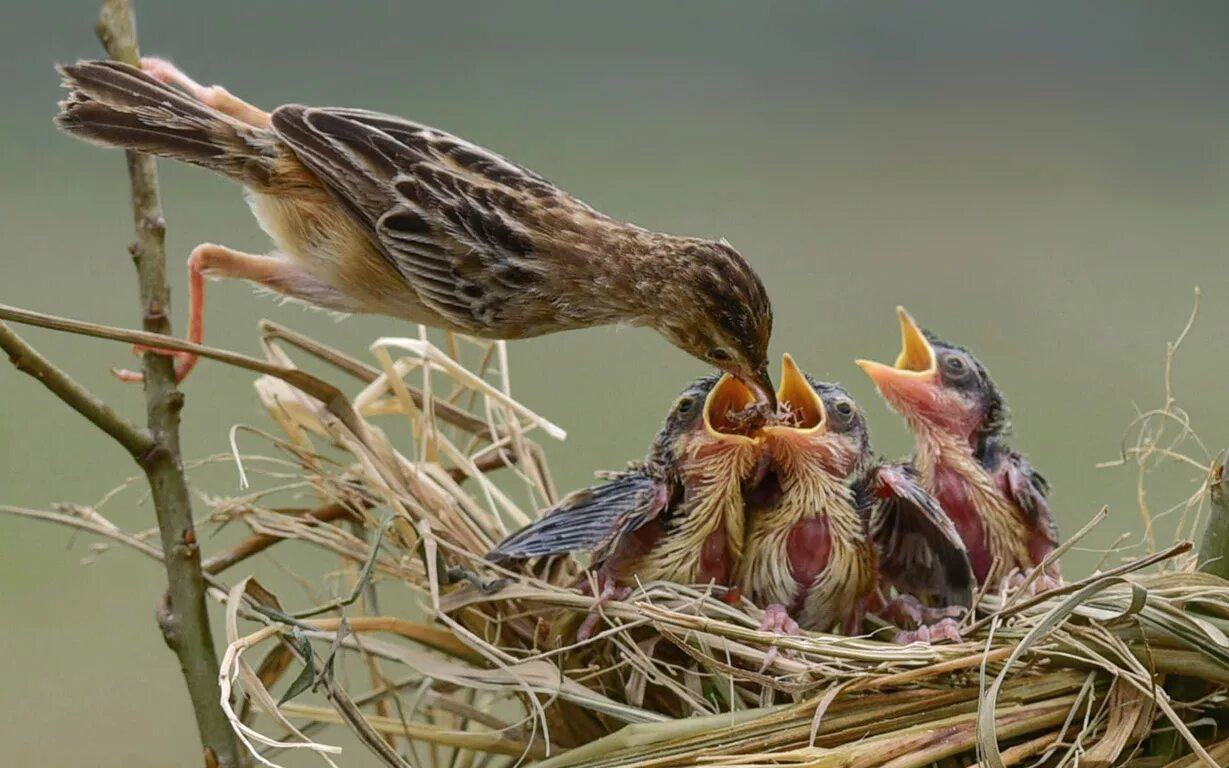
x=955, y=366
x=684, y=405
x=844, y=408
x=720, y=355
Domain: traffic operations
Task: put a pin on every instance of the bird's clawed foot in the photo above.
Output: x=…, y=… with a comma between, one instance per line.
x=184, y=363
x=945, y=629
x=609, y=591
x=776, y=619
x=907, y=609
x=1044, y=582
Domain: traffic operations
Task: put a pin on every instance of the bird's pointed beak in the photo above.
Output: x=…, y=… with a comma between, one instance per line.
x=761, y=384
x=729, y=410
x=804, y=408
x=915, y=373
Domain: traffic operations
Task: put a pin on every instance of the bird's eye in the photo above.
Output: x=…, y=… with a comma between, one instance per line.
x=844, y=407
x=720, y=355
x=955, y=366
x=685, y=405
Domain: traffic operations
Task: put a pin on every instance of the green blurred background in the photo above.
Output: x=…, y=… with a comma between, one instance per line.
x=1043, y=183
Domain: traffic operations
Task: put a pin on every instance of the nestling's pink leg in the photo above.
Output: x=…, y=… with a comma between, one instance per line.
x=907, y=609
x=776, y=619
x=274, y=272
x=212, y=95
x=609, y=591
x=947, y=629
x=1048, y=579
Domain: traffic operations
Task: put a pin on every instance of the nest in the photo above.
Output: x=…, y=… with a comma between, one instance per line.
x=485, y=669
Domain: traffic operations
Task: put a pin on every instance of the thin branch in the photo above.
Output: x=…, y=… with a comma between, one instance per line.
x=257, y=543
x=444, y=410
x=27, y=359
x=317, y=388
x=182, y=616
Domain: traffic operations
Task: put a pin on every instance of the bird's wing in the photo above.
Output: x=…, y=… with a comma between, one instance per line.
x=458, y=222
x=590, y=519
x=919, y=550
x=1029, y=490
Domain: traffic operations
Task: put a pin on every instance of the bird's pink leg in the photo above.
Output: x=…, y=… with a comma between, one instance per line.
x=1048, y=579
x=776, y=619
x=274, y=272
x=945, y=629
x=907, y=609
x=608, y=591
x=211, y=95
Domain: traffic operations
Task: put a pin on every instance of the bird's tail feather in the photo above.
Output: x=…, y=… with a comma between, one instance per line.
x=117, y=105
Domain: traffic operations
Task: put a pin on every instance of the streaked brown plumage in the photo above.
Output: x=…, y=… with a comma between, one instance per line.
x=370, y=213
x=995, y=498
x=828, y=527
x=676, y=516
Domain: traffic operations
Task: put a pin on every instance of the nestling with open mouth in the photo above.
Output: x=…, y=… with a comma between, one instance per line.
x=995, y=498
x=675, y=516
x=830, y=530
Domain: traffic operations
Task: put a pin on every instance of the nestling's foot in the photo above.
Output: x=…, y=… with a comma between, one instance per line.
x=610, y=591
x=776, y=619
x=907, y=609
x=1043, y=583
x=946, y=629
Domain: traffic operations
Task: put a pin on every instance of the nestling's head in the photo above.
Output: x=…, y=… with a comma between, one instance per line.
x=712, y=412
x=717, y=310
x=819, y=419
x=939, y=386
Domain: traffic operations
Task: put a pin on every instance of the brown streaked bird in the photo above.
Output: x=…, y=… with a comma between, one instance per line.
x=371, y=213
x=675, y=516
x=828, y=526
x=995, y=498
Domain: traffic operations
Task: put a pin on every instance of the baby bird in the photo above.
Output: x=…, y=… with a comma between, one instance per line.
x=675, y=516
x=828, y=527
x=371, y=213
x=995, y=498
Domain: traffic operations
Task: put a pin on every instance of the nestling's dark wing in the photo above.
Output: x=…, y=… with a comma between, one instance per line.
x=458, y=222
x=590, y=519
x=1028, y=489
x=920, y=552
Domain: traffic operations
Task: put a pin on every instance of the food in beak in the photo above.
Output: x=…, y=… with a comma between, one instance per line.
x=732, y=408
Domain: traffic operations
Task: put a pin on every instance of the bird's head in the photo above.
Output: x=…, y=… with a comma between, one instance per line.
x=713, y=412
x=714, y=307
x=820, y=420
x=938, y=386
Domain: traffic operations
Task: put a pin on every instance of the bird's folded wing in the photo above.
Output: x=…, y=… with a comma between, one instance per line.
x=1028, y=489
x=460, y=224
x=590, y=519
x=920, y=552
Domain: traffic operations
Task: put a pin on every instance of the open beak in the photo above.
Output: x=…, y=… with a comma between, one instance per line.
x=728, y=410
x=916, y=370
x=760, y=383
x=803, y=406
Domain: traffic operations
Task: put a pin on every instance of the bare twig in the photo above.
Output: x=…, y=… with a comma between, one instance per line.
x=182, y=616
x=257, y=543
x=301, y=380
x=27, y=359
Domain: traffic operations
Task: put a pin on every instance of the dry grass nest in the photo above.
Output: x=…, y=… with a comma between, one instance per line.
x=485, y=670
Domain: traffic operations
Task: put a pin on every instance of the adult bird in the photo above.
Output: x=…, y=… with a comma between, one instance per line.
x=675, y=516
x=370, y=213
x=830, y=530
x=995, y=498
